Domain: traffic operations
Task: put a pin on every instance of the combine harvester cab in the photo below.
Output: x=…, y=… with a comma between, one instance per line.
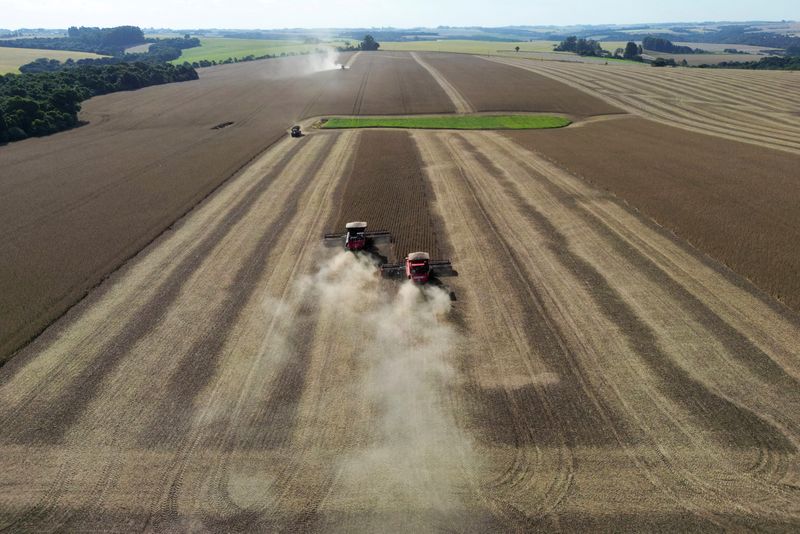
x=356, y=238
x=419, y=268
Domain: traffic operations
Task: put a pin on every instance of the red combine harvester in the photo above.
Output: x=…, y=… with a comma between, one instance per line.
x=356, y=237
x=419, y=268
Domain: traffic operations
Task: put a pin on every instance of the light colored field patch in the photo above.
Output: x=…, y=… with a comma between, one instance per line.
x=12, y=58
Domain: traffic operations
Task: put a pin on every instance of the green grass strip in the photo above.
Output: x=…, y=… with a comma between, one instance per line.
x=454, y=122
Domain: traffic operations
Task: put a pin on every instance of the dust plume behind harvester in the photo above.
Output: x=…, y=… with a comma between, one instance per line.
x=419, y=268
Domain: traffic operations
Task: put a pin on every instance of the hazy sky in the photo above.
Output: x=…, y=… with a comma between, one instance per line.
x=375, y=13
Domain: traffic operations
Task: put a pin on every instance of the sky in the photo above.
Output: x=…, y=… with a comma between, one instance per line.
x=273, y=14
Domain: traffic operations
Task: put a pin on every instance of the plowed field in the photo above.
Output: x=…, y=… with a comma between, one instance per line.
x=595, y=371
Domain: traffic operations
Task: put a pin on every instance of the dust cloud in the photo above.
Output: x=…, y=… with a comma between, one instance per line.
x=324, y=59
x=414, y=457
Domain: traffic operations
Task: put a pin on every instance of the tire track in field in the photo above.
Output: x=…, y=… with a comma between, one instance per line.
x=461, y=104
x=359, y=100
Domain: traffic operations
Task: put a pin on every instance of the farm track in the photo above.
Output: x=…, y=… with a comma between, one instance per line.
x=753, y=107
x=459, y=102
x=595, y=372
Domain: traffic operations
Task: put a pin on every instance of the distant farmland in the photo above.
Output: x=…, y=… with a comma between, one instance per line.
x=544, y=50
x=12, y=58
x=470, y=46
x=220, y=49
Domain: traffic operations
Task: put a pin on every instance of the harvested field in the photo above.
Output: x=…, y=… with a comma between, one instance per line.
x=234, y=377
x=595, y=373
x=489, y=86
x=735, y=201
x=757, y=107
x=74, y=206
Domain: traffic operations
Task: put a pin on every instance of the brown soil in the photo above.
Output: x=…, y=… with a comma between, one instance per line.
x=490, y=86
x=736, y=202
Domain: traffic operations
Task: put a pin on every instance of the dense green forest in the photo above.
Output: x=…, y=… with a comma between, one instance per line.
x=106, y=41
x=658, y=44
x=36, y=104
x=767, y=63
x=582, y=47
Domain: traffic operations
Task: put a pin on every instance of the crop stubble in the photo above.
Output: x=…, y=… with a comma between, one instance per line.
x=608, y=376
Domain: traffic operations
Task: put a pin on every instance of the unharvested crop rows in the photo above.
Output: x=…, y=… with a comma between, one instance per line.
x=387, y=189
x=752, y=106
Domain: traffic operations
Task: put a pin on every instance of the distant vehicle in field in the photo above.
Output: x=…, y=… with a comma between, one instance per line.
x=356, y=237
x=419, y=268
x=296, y=131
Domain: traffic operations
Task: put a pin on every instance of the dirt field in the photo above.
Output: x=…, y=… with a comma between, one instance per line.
x=594, y=373
x=234, y=377
x=74, y=206
x=758, y=107
x=490, y=86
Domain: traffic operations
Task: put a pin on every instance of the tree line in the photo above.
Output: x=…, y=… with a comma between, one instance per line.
x=369, y=43
x=37, y=104
x=582, y=47
x=658, y=44
x=766, y=63
x=108, y=42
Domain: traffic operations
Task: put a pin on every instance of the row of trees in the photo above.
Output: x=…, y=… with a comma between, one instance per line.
x=658, y=44
x=582, y=47
x=109, y=42
x=369, y=43
x=106, y=41
x=766, y=63
x=37, y=104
